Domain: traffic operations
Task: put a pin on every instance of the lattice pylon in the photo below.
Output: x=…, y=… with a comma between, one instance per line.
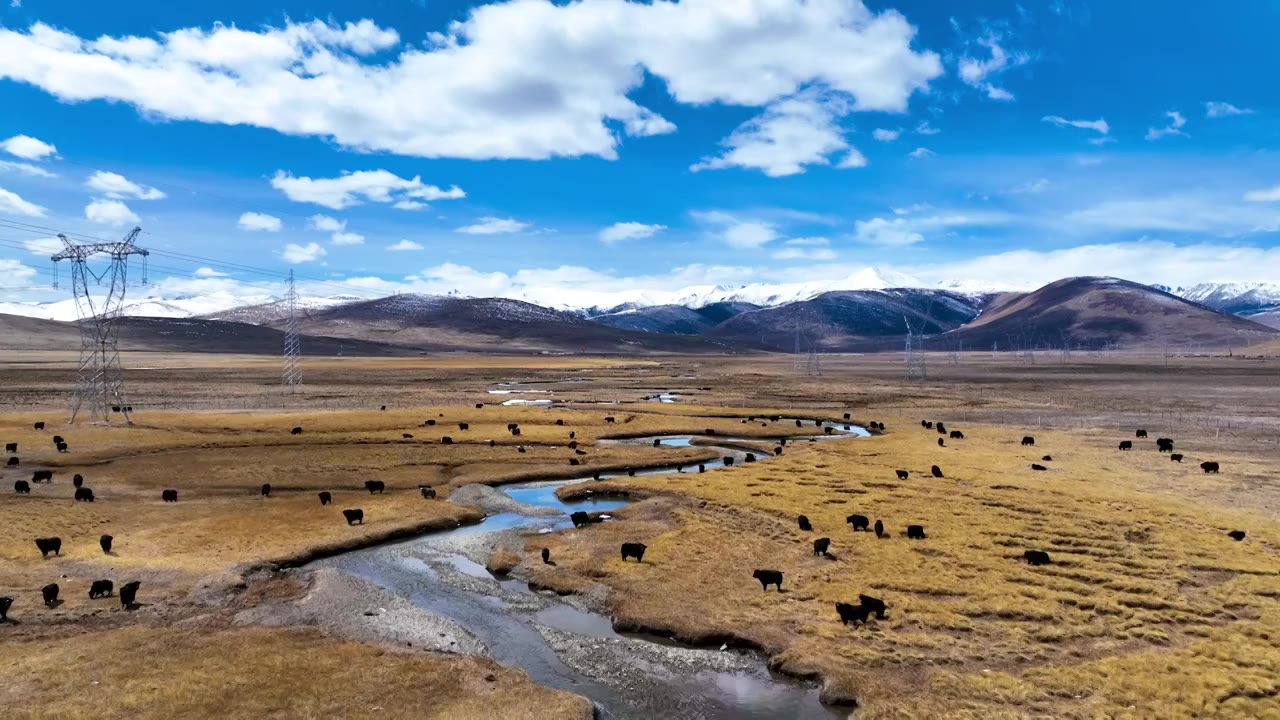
x=291, y=376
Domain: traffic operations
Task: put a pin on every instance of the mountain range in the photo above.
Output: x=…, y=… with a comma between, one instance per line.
x=1077, y=312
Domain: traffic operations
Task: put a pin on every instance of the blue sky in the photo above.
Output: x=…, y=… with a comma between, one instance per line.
x=555, y=151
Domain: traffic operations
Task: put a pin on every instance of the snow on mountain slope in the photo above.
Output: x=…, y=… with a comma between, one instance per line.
x=182, y=306
x=1236, y=298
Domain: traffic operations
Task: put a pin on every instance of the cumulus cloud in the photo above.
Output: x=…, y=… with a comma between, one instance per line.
x=790, y=134
x=14, y=273
x=324, y=223
x=260, y=222
x=1176, y=121
x=1223, y=109
x=12, y=204
x=117, y=186
x=45, y=246
x=25, y=169
x=110, y=212
x=206, y=272
x=348, y=189
x=297, y=254
x=619, y=232
x=884, y=135
x=909, y=228
x=347, y=238
x=1264, y=195
x=529, y=80
x=921, y=153
x=409, y=205
x=494, y=226
x=977, y=72
x=404, y=246
x=25, y=146
x=736, y=232
x=1176, y=213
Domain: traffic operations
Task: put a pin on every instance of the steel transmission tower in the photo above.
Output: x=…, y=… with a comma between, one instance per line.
x=99, y=380
x=291, y=377
x=916, y=369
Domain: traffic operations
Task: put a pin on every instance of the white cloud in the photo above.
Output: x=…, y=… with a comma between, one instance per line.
x=976, y=72
x=618, y=232
x=324, y=223
x=795, y=253
x=1038, y=185
x=909, y=229
x=410, y=205
x=852, y=159
x=25, y=169
x=347, y=238
x=260, y=222
x=1177, y=213
x=206, y=272
x=529, y=80
x=25, y=146
x=1223, y=109
x=297, y=254
x=1264, y=195
x=1088, y=160
x=15, y=273
x=1176, y=121
x=45, y=246
x=921, y=153
x=925, y=128
x=493, y=226
x=404, y=246
x=808, y=242
x=1100, y=125
x=13, y=204
x=110, y=212
x=884, y=135
x=118, y=186
x=736, y=232
x=798, y=131
x=347, y=190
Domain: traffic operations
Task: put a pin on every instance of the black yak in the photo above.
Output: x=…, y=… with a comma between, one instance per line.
x=354, y=516
x=1036, y=557
x=767, y=578
x=859, y=522
x=635, y=550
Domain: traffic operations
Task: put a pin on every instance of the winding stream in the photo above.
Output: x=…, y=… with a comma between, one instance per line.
x=562, y=646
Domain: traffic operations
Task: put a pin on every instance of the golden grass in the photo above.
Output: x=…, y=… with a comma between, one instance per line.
x=1148, y=603
x=143, y=672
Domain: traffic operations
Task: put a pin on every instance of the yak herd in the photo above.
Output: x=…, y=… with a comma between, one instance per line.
x=847, y=612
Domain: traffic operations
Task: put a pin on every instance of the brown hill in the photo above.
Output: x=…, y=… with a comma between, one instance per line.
x=1097, y=312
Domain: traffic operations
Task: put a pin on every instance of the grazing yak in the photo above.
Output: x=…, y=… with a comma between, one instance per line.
x=77, y=480
x=5, y=604
x=926, y=424
x=374, y=486
x=942, y=429
x=1034, y=466
x=876, y=604
x=11, y=447
x=580, y=519
x=595, y=475
x=446, y=440
x=169, y=495
x=1236, y=535
x=129, y=594
x=937, y=471
x=750, y=457
x=1028, y=440
x=50, y=594
x=1036, y=557
x=852, y=613
x=39, y=425
x=804, y=523
x=635, y=550
x=767, y=578
x=479, y=406
x=266, y=489
x=657, y=442
x=546, y=556
x=1047, y=458
x=1140, y=433
x=1176, y=457
x=325, y=497
x=493, y=443
x=847, y=417
x=406, y=436
x=22, y=487
x=14, y=461
x=1209, y=467
x=702, y=468
x=464, y=426
x=941, y=443
x=42, y=476
x=777, y=450
x=429, y=423
x=915, y=532
x=560, y=422
x=821, y=545
x=957, y=435
x=101, y=589
x=105, y=543
x=49, y=545
x=354, y=516
x=1126, y=444
x=879, y=528
x=428, y=492
x=62, y=447
x=728, y=461
x=1164, y=445
x=84, y=494
x=611, y=420
x=58, y=439
x=903, y=474
x=296, y=431
x=859, y=522
x=574, y=461
x=515, y=432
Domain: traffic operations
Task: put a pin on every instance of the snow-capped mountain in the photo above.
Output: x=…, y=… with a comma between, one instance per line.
x=179, y=306
x=1235, y=298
